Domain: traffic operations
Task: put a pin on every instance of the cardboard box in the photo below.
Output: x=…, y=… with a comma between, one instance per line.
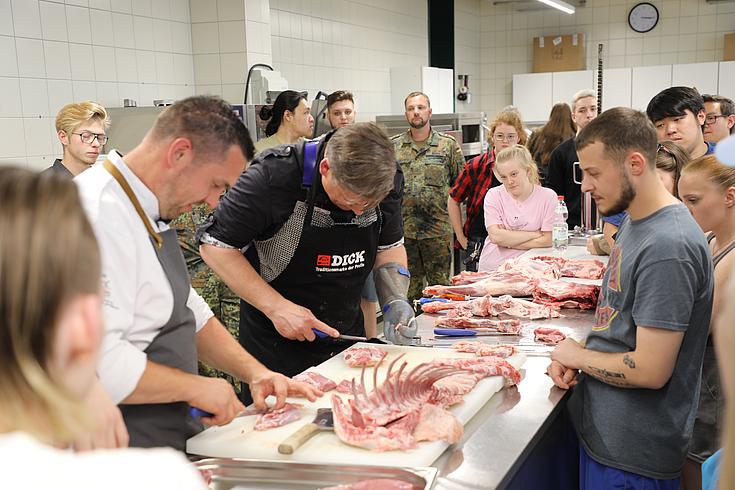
x=559, y=53
x=728, y=53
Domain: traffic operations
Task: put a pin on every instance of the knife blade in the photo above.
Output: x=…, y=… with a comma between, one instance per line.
x=324, y=420
x=323, y=335
x=465, y=332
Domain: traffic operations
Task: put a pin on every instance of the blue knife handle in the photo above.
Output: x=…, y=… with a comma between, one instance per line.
x=319, y=333
x=454, y=332
x=423, y=301
x=196, y=413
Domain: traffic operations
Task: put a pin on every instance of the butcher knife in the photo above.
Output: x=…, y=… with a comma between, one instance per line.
x=467, y=332
x=324, y=420
x=352, y=338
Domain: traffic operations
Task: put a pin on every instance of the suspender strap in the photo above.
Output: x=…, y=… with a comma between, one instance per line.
x=310, y=148
x=115, y=172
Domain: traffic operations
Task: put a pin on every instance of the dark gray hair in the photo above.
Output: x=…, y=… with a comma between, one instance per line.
x=363, y=160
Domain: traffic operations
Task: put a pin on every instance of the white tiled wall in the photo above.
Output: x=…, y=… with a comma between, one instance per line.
x=467, y=52
x=54, y=52
x=228, y=36
x=347, y=44
x=688, y=31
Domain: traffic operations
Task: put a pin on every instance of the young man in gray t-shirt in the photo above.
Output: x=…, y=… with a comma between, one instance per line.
x=634, y=406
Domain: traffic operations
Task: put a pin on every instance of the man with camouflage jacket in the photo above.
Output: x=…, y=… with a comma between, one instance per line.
x=224, y=303
x=430, y=161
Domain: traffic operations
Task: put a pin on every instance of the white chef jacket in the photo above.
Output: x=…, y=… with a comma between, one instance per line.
x=138, y=300
x=29, y=464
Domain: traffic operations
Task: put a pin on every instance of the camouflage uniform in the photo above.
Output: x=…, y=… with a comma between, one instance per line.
x=224, y=303
x=430, y=168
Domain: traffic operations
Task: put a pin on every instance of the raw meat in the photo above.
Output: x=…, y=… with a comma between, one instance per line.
x=549, y=336
x=489, y=306
x=566, y=294
x=271, y=418
x=516, y=283
x=484, y=366
x=437, y=306
x=531, y=267
x=373, y=437
x=400, y=393
x=316, y=380
x=375, y=484
x=345, y=386
x=363, y=356
x=468, y=277
x=437, y=424
x=502, y=326
x=450, y=390
x=482, y=349
x=579, y=268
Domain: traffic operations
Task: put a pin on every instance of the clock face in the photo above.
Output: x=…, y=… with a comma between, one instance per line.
x=643, y=17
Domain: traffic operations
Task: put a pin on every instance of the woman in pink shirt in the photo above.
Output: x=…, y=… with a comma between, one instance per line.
x=519, y=213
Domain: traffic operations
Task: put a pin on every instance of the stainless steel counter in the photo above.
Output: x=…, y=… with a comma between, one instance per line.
x=503, y=433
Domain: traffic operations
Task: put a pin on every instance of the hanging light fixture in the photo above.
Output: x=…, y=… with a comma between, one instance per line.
x=559, y=5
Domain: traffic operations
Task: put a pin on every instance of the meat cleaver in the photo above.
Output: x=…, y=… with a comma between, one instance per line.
x=324, y=420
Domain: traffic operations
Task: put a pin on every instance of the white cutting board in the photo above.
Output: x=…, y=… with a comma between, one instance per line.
x=239, y=440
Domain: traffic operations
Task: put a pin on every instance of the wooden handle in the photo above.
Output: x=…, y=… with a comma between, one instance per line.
x=298, y=438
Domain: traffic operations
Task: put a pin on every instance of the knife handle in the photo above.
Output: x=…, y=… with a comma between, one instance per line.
x=298, y=438
x=455, y=332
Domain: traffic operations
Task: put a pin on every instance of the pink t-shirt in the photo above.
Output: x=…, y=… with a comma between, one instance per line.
x=534, y=214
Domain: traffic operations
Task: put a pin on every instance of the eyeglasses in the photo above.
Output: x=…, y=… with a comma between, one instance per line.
x=505, y=137
x=712, y=118
x=88, y=137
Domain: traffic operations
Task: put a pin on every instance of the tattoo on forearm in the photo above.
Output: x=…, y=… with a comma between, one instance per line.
x=609, y=377
x=628, y=361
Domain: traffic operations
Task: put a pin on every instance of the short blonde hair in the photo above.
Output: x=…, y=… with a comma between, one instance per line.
x=582, y=94
x=521, y=154
x=72, y=115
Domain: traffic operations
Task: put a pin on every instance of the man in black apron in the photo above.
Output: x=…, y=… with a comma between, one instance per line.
x=316, y=218
x=195, y=149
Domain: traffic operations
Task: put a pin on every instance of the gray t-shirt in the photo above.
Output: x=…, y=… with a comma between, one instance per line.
x=659, y=275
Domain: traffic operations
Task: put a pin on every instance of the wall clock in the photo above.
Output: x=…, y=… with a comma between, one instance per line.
x=643, y=17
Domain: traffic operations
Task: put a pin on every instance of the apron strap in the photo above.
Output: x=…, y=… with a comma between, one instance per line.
x=307, y=178
x=310, y=149
x=115, y=172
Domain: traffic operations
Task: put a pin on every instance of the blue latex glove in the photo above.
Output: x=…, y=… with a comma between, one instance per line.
x=399, y=325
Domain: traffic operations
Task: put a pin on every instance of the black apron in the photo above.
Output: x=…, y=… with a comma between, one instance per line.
x=331, y=254
x=165, y=424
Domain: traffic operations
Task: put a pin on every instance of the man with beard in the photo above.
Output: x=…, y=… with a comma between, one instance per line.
x=431, y=162
x=634, y=403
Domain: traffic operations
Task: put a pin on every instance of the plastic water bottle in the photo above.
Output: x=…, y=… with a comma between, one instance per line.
x=560, y=228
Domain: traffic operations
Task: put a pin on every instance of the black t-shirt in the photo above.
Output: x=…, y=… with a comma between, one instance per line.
x=264, y=197
x=560, y=178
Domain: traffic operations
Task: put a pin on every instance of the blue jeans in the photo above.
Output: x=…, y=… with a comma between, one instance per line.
x=596, y=476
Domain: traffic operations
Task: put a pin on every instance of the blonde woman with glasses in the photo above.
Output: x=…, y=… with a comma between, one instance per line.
x=50, y=333
x=518, y=214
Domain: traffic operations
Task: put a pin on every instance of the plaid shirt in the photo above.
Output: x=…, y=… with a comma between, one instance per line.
x=471, y=187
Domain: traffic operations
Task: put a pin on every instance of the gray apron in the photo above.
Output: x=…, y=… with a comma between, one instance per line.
x=165, y=424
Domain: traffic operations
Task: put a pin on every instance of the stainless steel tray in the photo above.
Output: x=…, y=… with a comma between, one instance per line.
x=240, y=474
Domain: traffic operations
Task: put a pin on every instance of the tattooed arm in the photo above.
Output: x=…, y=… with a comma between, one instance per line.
x=649, y=366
